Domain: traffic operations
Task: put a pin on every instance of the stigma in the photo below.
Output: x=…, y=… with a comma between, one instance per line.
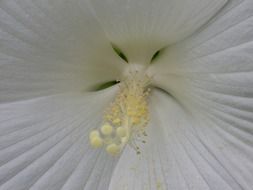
x=126, y=118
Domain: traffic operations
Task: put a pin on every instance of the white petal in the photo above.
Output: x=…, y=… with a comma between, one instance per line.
x=44, y=143
x=184, y=152
x=215, y=74
x=49, y=47
x=140, y=28
x=224, y=46
x=210, y=74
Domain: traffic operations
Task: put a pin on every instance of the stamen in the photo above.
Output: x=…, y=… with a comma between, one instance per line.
x=126, y=118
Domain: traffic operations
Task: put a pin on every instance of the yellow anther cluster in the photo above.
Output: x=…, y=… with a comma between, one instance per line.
x=125, y=119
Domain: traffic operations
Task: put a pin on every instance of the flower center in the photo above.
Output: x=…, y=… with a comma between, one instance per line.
x=126, y=118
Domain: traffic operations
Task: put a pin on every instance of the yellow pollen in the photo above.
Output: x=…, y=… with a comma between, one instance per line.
x=126, y=118
x=94, y=134
x=96, y=142
x=113, y=149
x=106, y=129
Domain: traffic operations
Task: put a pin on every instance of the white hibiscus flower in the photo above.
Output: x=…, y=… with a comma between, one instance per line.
x=176, y=74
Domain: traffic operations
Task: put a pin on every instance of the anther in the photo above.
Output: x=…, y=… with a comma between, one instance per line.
x=113, y=149
x=96, y=142
x=106, y=129
x=93, y=134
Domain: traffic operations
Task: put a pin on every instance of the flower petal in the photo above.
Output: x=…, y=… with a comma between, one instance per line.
x=44, y=143
x=184, y=152
x=140, y=28
x=215, y=74
x=49, y=47
x=210, y=74
x=224, y=46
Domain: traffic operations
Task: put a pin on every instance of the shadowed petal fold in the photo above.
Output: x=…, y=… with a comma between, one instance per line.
x=140, y=28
